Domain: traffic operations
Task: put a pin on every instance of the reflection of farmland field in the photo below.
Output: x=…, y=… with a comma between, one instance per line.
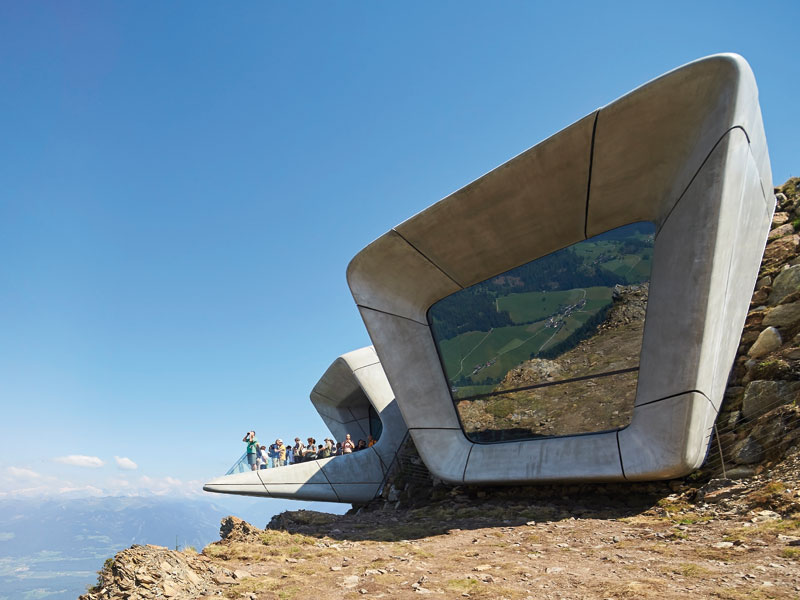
x=475, y=357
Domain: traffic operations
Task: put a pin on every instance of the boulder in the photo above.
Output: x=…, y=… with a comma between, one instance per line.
x=768, y=341
x=777, y=430
x=747, y=452
x=760, y=297
x=787, y=282
x=784, y=315
x=740, y=472
x=779, y=218
x=733, y=398
x=781, y=250
x=764, y=281
x=748, y=337
x=754, y=319
x=781, y=231
x=761, y=396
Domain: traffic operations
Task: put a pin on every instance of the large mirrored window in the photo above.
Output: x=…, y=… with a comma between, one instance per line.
x=551, y=347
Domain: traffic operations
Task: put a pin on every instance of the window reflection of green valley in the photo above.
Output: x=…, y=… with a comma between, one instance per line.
x=575, y=313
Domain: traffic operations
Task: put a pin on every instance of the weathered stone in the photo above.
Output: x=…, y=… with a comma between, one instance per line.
x=760, y=396
x=740, y=472
x=718, y=489
x=780, y=250
x=748, y=452
x=733, y=398
x=779, y=218
x=792, y=353
x=781, y=231
x=784, y=315
x=733, y=418
x=786, y=282
x=764, y=281
x=777, y=430
x=768, y=341
x=771, y=369
x=754, y=319
x=170, y=590
x=192, y=577
x=760, y=297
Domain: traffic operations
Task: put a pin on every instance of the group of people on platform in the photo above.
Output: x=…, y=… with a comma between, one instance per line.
x=280, y=454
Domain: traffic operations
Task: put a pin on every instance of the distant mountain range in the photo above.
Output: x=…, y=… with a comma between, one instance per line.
x=52, y=548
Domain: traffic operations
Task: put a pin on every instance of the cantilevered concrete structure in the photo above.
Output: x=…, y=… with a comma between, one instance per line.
x=353, y=391
x=686, y=152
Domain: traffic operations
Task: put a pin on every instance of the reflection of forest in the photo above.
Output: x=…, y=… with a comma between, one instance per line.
x=597, y=404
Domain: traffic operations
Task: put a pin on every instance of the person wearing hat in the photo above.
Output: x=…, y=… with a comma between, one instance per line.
x=281, y=453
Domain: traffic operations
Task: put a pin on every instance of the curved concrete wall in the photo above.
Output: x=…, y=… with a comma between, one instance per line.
x=685, y=151
x=342, y=396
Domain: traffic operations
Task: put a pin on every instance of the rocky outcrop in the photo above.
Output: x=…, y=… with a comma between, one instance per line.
x=759, y=420
x=144, y=572
x=235, y=529
x=534, y=370
x=630, y=306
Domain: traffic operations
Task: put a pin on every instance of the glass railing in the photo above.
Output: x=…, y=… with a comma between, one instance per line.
x=240, y=466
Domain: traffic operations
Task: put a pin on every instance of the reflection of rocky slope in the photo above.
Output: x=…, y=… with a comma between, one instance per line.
x=579, y=407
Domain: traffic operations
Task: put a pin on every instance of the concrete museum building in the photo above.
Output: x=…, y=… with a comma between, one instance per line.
x=572, y=315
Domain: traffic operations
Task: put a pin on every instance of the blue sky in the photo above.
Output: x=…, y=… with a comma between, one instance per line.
x=183, y=184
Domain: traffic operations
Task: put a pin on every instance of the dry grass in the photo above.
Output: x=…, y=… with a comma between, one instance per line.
x=785, y=526
x=485, y=591
x=792, y=553
x=643, y=588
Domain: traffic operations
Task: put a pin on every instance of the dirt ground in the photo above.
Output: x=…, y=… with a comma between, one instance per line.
x=728, y=539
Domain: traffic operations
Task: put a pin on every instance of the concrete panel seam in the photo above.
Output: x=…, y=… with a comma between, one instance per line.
x=619, y=452
x=340, y=422
x=384, y=468
x=325, y=475
x=674, y=396
x=697, y=172
x=422, y=254
x=386, y=312
x=372, y=364
x=589, y=177
x=324, y=396
x=466, y=463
